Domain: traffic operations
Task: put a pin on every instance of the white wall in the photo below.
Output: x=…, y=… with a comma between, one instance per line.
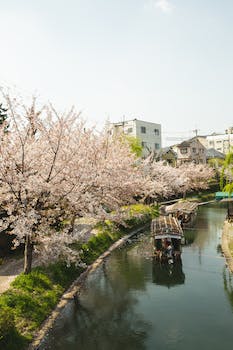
x=221, y=143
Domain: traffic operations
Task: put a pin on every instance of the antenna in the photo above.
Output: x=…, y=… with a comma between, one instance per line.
x=196, y=131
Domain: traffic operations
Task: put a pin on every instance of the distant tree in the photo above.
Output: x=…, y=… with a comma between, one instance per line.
x=226, y=178
x=197, y=177
x=166, y=181
x=134, y=143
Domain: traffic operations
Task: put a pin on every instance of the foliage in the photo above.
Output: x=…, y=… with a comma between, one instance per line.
x=135, y=145
x=166, y=181
x=216, y=162
x=226, y=178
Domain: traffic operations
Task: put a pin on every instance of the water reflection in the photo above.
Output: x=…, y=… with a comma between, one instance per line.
x=189, y=236
x=168, y=275
x=228, y=285
x=104, y=311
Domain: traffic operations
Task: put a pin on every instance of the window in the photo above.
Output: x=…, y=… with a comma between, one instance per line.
x=143, y=144
x=183, y=150
x=156, y=132
x=194, y=150
x=211, y=143
x=129, y=130
x=143, y=129
x=156, y=145
x=219, y=142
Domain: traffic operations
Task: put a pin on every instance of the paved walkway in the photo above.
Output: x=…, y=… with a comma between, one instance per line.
x=12, y=267
x=9, y=270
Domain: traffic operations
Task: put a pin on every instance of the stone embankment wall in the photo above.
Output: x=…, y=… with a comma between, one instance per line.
x=227, y=237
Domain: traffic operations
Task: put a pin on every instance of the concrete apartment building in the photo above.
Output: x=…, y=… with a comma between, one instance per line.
x=148, y=133
x=221, y=142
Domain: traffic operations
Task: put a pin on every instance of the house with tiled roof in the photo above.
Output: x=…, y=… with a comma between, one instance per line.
x=190, y=151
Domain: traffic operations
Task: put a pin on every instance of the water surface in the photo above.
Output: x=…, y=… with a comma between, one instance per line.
x=131, y=302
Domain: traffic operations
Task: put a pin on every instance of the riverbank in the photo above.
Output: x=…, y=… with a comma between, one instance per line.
x=227, y=244
x=32, y=298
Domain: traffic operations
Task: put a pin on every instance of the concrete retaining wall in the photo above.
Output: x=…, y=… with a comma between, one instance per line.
x=227, y=236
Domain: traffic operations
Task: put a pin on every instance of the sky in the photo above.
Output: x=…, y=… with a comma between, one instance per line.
x=163, y=61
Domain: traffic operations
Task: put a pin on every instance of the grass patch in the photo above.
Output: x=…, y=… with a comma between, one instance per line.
x=31, y=298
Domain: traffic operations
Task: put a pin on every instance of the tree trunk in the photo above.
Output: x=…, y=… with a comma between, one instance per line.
x=28, y=249
x=71, y=229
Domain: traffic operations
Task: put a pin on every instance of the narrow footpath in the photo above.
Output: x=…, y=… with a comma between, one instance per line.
x=12, y=267
x=9, y=270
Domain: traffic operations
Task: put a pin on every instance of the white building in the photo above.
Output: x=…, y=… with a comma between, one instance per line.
x=222, y=142
x=148, y=133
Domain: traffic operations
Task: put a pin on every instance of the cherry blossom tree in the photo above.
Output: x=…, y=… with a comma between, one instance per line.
x=196, y=176
x=161, y=177
x=166, y=181
x=53, y=169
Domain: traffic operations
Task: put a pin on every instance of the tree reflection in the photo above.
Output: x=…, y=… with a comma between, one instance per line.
x=104, y=317
x=189, y=236
x=228, y=285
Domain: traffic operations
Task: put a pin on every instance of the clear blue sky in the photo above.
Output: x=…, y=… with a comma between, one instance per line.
x=165, y=61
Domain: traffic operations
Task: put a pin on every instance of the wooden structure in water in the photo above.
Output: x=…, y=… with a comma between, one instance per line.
x=167, y=234
x=185, y=212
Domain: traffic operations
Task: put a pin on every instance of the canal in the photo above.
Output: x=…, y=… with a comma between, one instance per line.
x=131, y=303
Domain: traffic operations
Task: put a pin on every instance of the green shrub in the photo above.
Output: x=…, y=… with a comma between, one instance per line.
x=62, y=274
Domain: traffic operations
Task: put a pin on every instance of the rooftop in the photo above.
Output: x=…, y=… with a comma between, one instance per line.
x=184, y=207
x=134, y=119
x=166, y=227
x=213, y=153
